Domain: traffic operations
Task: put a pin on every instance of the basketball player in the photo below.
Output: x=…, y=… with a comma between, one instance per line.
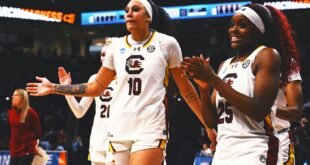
x=245, y=89
x=98, y=138
x=289, y=101
x=140, y=62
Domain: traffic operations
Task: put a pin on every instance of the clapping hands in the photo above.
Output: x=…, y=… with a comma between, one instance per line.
x=198, y=69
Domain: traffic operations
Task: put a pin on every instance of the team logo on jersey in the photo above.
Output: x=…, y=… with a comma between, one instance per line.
x=246, y=64
x=151, y=48
x=134, y=64
x=106, y=95
x=122, y=50
x=229, y=78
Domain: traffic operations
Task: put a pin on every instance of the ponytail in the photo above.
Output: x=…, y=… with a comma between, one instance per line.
x=286, y=44
x=161, y=21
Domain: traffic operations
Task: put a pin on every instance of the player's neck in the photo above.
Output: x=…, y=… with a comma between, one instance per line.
x=140, y=35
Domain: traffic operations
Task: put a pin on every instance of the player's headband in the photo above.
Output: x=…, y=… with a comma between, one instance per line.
x=253, y=17
x=148, y=7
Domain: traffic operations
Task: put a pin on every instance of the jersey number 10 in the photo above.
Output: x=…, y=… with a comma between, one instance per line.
x=135, y=85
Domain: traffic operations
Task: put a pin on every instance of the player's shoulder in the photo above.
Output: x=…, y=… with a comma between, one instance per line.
x=167, y=40
x=268, y=55
x=164, y=37
x=116, y=39
x=113, y=43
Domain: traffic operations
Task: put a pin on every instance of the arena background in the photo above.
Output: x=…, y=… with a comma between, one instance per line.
x=29, y=48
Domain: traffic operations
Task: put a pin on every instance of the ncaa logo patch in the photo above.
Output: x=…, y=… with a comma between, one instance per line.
x=151, y=48
x=122, y=50
x=246, y=64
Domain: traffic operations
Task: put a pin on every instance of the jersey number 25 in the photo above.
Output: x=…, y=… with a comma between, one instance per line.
x=225, y=113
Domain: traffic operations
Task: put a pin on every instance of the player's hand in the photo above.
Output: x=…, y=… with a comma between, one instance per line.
x=198, y=69
x=64, y=76
x=42, y=88
x=212, y=134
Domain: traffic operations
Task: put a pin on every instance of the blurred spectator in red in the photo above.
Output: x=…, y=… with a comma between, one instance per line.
x=25, y=129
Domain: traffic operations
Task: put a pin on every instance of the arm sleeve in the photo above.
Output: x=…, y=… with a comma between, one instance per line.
x=80, y=108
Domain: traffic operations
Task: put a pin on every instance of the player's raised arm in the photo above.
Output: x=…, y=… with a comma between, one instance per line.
x=45, y=87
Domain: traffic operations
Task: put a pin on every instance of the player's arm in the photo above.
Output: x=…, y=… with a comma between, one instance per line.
x=80, y=108
x=190, y=96
x=186, y=88
x=266, y=69
x=104, y=76
x=208, y=100
x=294, y=99
x=95, y=88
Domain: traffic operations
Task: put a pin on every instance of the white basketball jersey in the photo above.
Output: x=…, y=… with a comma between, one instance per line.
x=138, y=109
x=98, y=136
x=280, y=124
x=241, y=139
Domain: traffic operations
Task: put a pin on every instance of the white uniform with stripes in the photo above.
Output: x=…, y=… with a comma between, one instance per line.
x=241, y=139
x=98, y=136
x=282, y=126
x=98, y=144
x=141, y=67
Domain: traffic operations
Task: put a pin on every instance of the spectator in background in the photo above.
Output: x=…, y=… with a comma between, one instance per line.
x=61, y=139
x=25, y=127
x=206, y=150
x=77, y=146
